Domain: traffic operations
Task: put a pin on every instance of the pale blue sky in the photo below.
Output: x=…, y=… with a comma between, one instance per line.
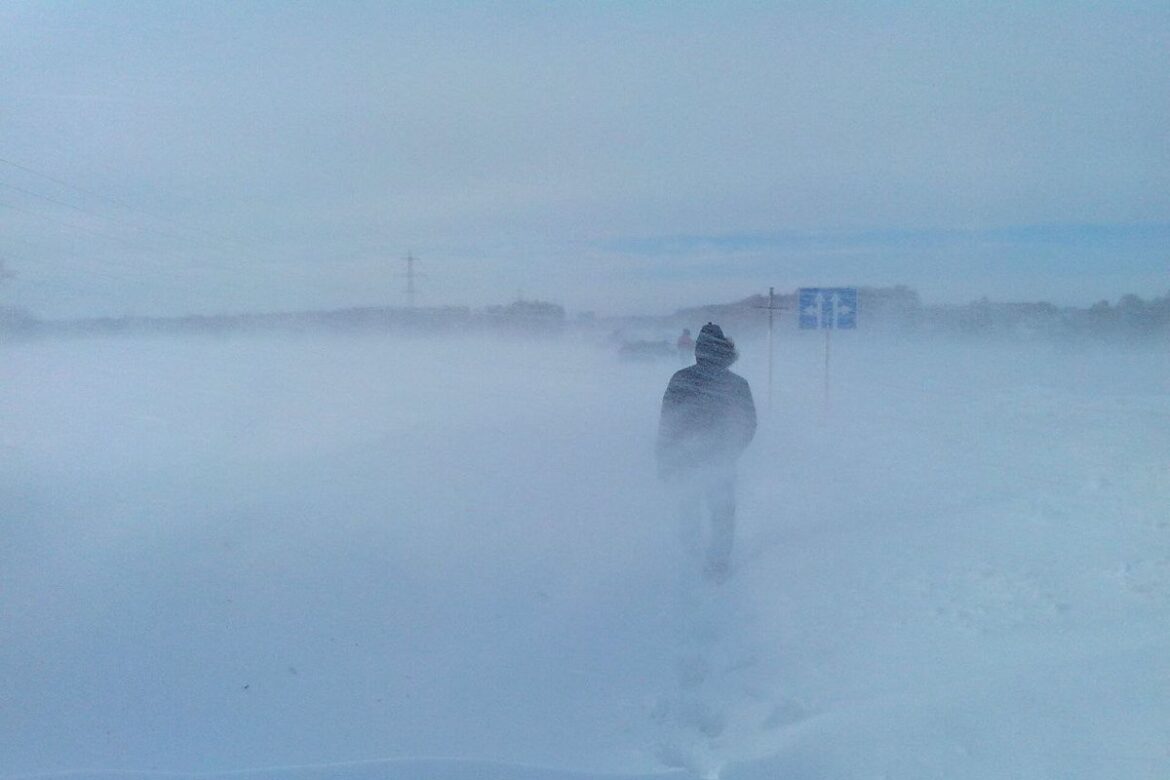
x=167, y=158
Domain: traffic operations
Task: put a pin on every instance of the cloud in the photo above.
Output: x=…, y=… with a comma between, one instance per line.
x=519, y=131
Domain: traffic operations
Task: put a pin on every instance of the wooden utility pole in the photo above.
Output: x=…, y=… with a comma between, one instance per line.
x=772, y=309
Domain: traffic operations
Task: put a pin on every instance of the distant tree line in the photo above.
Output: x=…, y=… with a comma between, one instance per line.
x=1131, y=319
x=897, y=310
x=900, y=310
x=532, y=317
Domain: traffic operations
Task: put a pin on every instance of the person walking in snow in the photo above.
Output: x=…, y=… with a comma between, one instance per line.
x=708, y=418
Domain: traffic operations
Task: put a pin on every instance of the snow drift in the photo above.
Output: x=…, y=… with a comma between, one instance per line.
x=450, y=558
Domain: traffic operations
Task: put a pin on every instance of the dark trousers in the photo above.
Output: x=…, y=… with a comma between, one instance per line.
x=707, y=512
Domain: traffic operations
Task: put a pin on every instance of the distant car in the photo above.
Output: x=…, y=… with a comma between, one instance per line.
x=647, y=350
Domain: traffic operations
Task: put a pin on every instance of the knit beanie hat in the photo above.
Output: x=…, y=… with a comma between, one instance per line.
x=713, y=347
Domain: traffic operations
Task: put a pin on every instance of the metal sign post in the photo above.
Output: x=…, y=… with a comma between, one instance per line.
x=828, y=308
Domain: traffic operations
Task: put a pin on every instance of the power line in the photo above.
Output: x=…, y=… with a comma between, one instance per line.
x=60, y=222
x=152, y=251
x=151, y=256
x=115, y=201
x=83, y=228
x=92, y=213
x=225, y=247
x=121, y=269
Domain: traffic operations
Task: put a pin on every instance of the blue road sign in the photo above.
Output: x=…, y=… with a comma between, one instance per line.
x=828, y=307
x=846, y=308
x=808, y=300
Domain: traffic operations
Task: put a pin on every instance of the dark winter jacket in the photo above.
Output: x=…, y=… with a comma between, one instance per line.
x=708, y=416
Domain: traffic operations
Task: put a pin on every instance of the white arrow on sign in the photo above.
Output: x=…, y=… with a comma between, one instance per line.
x=828, y=304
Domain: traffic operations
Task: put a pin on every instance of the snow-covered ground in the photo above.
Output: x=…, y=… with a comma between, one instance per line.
x=337, y=558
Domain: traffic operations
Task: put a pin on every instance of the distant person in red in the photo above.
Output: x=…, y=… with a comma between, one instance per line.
x=686, y=346
x=708, y=419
